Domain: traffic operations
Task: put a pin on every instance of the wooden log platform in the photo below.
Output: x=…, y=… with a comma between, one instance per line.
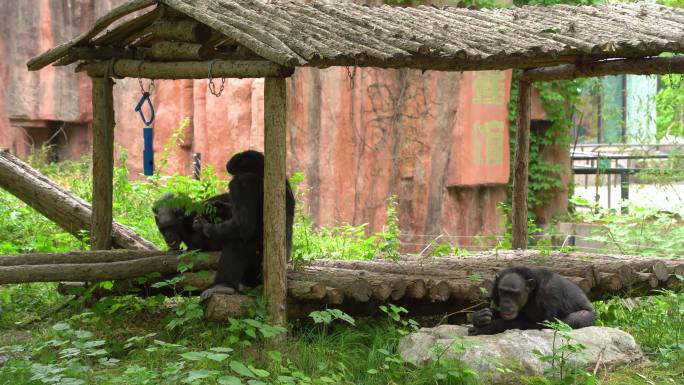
x=425, y=286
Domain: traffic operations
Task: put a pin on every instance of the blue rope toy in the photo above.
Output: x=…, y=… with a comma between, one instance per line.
x=148, y=134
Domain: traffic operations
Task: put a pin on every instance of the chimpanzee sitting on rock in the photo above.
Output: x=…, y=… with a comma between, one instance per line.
x=524, y=297
x=175, y=222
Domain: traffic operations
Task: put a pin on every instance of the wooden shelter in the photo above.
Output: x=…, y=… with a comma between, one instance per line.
x=190, y=39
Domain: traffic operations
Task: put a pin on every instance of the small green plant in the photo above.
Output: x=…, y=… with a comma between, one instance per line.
x=394, y=313
x=642, y=230
x=657, y=322
x=390, y=245
x=561, y=371
x=346, y=241
x=327, y=316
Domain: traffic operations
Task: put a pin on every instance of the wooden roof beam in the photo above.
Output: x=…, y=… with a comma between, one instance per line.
x=188, y=69
x=640, y=66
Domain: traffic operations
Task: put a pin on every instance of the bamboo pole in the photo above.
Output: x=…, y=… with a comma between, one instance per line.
x=103, y=163
x=189, y=69
x=520, y=168
x=641, y=66
x=275, y=263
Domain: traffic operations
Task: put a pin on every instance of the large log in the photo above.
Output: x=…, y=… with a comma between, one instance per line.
x=58, y=204
x=165, y=263
x=422, y=285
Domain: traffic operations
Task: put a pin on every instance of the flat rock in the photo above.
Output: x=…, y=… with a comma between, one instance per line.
x=513, y=349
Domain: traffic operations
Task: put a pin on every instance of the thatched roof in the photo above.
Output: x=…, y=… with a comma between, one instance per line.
x=323, y=34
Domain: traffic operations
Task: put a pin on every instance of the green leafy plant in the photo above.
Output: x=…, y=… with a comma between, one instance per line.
x=560, y=370
x=327, y=316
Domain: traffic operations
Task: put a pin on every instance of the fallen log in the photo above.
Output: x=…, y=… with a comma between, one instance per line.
x=422, y=285
x=95, y=256
x=164, y=263
x=59, y=205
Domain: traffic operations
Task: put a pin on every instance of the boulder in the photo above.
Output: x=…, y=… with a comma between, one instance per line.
x=514, y=349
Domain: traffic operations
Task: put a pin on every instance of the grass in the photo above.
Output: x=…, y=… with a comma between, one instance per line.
x=46, y=338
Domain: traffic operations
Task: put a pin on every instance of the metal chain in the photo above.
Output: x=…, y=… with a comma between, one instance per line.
x=150, y=87
x=352, y=76
x=212, y=86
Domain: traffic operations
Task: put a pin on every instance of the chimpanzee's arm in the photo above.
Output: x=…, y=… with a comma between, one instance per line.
x=487, y=322
x=580, y=319
x=246, y=194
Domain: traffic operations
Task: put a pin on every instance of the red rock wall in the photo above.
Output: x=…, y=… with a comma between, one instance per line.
x=438, y=141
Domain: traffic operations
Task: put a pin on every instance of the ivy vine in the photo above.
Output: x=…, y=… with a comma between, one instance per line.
x=560, y=100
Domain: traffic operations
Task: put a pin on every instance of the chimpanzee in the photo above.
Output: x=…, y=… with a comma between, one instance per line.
x=175, y=222
x=242, y=235
x=524, y=297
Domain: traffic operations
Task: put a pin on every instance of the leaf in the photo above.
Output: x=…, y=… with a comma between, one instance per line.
x=229, y=380
x=221, y=349
x=218, y=357
x=240, y=368
x=256, y=382
x=269, y=331
x=260, y=372
x=82, y=334
x=92, y=344
x=196, y=375
x=194, y=356
x=60, y=326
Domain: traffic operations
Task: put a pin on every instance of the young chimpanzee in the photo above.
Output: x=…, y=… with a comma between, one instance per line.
x=175, y=221
x=525, y=297
x=242, y=235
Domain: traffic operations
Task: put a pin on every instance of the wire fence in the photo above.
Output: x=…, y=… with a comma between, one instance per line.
x=478, y=243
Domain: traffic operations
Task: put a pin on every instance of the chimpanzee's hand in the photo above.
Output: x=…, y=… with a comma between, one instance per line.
x=200, y=224
x=482, y=317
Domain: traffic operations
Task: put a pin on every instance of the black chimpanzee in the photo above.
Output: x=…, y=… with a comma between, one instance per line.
x=524, y=297
x=242, y=235
x=175, y=222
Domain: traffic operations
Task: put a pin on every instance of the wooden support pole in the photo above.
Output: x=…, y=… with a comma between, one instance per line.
x=641, y=66
x=275, y=263
x=189, y=69
x=103, y=163
x=520, y=167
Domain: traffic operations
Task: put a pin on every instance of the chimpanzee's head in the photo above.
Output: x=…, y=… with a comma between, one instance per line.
x=169, y=217
x=511, y=292
x=246, y=161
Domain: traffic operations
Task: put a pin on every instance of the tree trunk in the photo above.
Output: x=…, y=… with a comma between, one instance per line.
x=521, y=165
x=58, y=204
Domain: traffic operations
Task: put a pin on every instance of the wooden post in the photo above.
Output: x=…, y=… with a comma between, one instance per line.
x=275, y=264
x=103, y=163
x=520, y=167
